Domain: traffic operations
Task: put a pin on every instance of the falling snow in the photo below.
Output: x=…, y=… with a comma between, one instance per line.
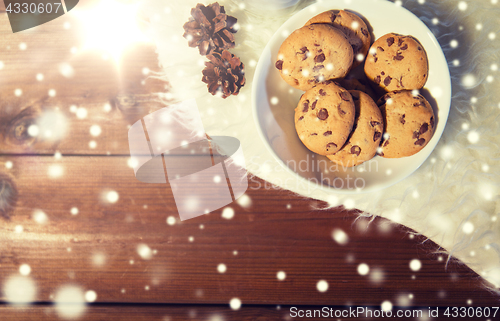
x=90, y=296
x=66, y=70
x=25, y=269
x=55, y=171
x=415, y=265
x=469, y=81
x=468, y=228
x=95, y=130
x=40, y=217
x=377, y=276
x=363, y=269
x=9, y=164
x=19, y=290
x=171, y=220
x=322, y=286
x=221, y=268
x=81, y=113
x=144, y=252
x=446, y=152
x=235, y=303
x=98, y=259
x=227, y=213
x=473, y=137
x=340, y=236
x=112, y=197
x=349, y=204
x=386, y=306
x=70, y=302
x=244, y=201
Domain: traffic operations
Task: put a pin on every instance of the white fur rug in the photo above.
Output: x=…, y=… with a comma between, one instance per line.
x=453, y=198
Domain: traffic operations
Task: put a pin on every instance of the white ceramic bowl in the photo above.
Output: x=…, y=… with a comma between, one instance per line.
x=274, y=102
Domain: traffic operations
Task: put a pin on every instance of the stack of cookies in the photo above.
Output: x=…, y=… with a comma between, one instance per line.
x=337, y=115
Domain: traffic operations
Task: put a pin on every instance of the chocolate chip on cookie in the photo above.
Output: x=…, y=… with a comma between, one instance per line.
x=409, y=123
x=365, y=138
x=352, y=26
x=331, y=120
x=397, y=62
x=314, y=54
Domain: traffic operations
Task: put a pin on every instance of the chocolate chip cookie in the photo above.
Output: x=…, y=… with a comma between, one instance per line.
x=409, y=121
x=366, y=133
x=352, y=26
x=324, y=118
x=397, y=62
x=314, y=54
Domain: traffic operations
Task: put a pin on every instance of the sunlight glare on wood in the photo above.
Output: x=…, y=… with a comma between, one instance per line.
x=111, y=26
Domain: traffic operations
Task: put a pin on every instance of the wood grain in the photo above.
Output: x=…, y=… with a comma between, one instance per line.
x=149, y=313
x=278, y=232
x=95, y=83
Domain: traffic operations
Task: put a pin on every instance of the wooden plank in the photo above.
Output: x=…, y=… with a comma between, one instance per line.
x=146, y=313
x=125, y=87
x=278, y=232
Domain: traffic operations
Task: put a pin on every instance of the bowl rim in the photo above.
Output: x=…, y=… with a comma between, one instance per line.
x=440, y=58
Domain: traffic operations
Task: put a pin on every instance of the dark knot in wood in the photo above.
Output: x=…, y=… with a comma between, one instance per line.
x=8, y=195
x=126, y=103
x=17, y=128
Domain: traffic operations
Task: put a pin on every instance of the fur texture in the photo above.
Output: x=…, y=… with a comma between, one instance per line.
x=453, y=198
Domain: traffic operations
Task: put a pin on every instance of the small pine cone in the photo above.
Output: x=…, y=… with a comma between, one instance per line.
x=210, y=29
x=224, y=73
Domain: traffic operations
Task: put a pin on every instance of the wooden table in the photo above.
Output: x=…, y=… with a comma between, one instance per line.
x=97, y=249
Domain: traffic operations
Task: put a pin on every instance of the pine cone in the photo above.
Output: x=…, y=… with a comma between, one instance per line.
x=224, y=73
x=210, y=28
